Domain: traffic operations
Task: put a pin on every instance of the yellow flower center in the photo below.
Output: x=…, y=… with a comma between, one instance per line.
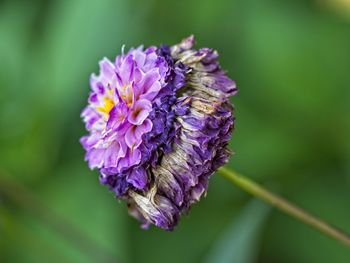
x=108, y=105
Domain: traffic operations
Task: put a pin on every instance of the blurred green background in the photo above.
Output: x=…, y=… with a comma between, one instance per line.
x=291, y=61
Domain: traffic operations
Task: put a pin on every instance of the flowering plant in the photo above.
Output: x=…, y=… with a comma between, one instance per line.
x=159, y=122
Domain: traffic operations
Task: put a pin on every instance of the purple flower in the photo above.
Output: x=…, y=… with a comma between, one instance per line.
x=159, y=121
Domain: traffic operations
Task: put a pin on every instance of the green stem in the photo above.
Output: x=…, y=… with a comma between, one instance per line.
x=284, y=205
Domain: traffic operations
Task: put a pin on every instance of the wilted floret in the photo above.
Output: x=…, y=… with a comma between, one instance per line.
x=159, y=121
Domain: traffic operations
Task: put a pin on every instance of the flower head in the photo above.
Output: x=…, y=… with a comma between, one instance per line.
x=159, y=120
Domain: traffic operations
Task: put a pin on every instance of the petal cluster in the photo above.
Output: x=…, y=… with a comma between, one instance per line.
x=118, y=114
x=159, y=122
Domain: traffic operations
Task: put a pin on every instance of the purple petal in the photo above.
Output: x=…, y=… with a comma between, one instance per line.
x=152, y=92
x=134, y=157
x=140, y=58
x=126, y=69
x=138, y=178
x=117, y=116
x=95, y=158
x=140, y=111
x=112, y=156
x=134, y=133
x=107, y=68
x=148, y=79
x=93, y=98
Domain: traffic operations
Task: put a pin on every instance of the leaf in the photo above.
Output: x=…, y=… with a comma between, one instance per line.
x=240, y=241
